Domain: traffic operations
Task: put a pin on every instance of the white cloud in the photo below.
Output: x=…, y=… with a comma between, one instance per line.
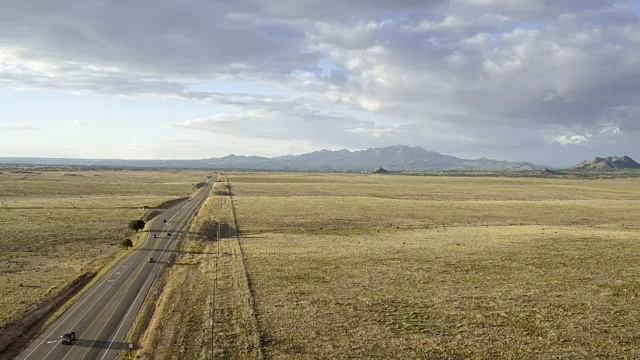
x=83, y=123
x=18, y=127
x=570, y=139
x=441, y=74
x=378, y=131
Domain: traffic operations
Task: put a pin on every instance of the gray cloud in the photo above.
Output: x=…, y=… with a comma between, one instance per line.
x=473, y=76
x=189, y=38
x=279, y=119
x=338, y=9
x=546, y=76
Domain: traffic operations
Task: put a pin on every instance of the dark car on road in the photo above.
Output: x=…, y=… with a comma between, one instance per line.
x=68, y=338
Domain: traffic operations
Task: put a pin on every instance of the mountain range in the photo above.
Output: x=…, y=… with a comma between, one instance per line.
x=392, y=158
x=608, y=163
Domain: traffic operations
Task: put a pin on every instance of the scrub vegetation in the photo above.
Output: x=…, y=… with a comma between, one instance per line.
x=58, y=225
x=205, y=309
x=378, y=266
x=388, y=266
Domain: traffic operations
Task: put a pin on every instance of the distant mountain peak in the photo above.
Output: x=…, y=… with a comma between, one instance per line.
x=547, y=172
x=393, y=158
x=234, y=157
x=608, y=163
x=403, y=148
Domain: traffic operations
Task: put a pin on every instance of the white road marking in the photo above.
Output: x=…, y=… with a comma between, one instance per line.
x=76, y=323
x=77, y=307
x=131, y=306
x=97, y=287
x=182, y=225
x=71, y=313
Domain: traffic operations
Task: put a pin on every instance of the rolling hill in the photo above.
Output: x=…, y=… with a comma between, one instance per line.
x=607, y=163
x=392, y=158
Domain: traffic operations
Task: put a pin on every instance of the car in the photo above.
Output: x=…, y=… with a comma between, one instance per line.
x=68, y=338
x=152, y=260
x=165, y=220
x=168, y=234
x=155, y=236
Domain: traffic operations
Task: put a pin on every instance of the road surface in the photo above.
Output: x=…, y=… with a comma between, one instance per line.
x=103, y=315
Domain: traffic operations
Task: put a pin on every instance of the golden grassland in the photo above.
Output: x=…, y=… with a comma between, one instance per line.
x=204, y=284
x=369, y=266
x=56, y=225
x=438, y=188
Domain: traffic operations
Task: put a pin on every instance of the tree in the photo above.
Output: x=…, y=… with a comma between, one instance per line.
x=136, y=225
x=126, y=243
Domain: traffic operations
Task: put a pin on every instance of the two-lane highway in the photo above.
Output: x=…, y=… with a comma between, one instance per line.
x=103, y=315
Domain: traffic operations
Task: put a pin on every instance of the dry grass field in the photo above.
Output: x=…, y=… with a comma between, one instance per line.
x=370, y=266
x=57, y=225
x=203, y=271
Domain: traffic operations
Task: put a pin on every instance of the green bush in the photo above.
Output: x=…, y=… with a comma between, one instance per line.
x=136, y=225
x=126, y=243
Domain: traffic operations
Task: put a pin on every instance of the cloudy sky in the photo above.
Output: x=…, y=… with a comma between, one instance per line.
x=547, y=81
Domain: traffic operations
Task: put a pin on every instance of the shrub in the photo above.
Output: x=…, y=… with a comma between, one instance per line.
x=126, y=243
x=136, y=225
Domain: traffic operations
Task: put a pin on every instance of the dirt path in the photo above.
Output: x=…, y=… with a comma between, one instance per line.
x=236, y=327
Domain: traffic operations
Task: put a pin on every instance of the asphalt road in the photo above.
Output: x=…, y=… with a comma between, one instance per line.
x=103, y=315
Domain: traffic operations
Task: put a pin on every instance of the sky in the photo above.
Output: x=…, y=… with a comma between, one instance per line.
x=551, y=82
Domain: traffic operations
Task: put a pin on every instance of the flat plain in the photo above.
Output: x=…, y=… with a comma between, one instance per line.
x=58, y=225
x=204, y=270
x=388, y=266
